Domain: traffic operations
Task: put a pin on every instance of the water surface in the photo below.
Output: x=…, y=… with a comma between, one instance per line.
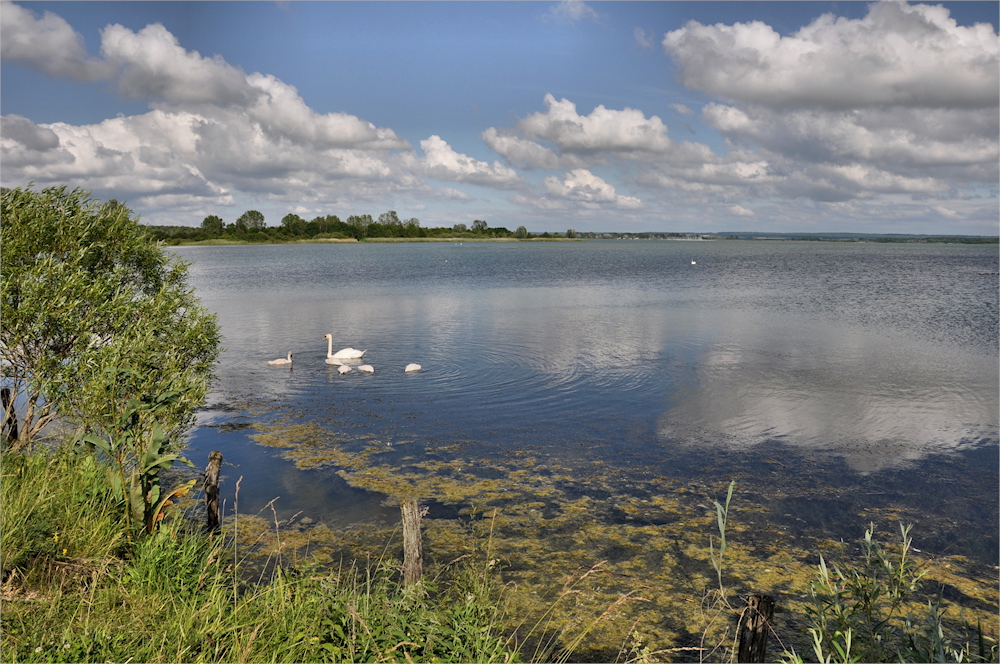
x=871, y=369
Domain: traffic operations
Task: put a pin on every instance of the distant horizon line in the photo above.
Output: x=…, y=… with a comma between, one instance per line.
x=713, y=233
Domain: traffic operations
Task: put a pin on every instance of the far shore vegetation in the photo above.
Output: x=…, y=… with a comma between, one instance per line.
x=252, y=228
x=105, y=555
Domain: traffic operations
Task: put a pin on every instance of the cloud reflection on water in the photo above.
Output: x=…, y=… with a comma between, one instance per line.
x=878, y=401
x=762, y=342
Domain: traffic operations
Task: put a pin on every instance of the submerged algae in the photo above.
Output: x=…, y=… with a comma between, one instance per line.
x=588, y=551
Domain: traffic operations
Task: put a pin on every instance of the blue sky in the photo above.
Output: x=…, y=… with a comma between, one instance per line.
x=602, y=116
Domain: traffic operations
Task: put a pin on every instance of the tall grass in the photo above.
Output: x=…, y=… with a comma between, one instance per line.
x=75, y=589
x=59, y=518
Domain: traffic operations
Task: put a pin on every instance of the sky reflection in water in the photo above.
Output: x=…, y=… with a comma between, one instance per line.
x=883, y=355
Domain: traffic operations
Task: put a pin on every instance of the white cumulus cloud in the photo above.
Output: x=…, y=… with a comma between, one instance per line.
x=48, y=44
x=280, y=111
x=560, y=137
x=152, y=66
x=525, y=152
x=626, y=131
x=442, y=162
x=903, y=100
x=582, y=186
x=212, y=131
x=899, y=54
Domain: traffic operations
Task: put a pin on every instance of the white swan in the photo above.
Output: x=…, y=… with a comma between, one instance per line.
x=343, y=353
x=367, y=368
x=412, y=367
x=343, y=368
x=281, y=361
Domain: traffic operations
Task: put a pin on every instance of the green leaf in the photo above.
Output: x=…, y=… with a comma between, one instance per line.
x=98, y=442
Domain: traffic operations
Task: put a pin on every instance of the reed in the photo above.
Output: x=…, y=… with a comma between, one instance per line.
x=863, y=611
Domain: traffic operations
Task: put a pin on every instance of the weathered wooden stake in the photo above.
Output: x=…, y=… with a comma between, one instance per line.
x=755, y=627
x=212, y=489
x=10, y=418
x=413, y=557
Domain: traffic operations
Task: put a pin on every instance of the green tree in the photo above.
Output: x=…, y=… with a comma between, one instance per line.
x=479, y=226
x=521, y=232
x=213, y=225
x=250, y=219
x=411, y=228
x=389, y=218
x=318, y=225
x=294, y=224
x=460, y=228
x=95, y=317
x=360, y=222
x=571, y=233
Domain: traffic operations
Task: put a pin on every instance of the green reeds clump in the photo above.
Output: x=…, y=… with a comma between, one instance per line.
x=77, y=589
x=863, y=611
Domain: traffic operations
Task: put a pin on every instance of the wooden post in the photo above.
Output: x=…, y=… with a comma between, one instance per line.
x=212, y=490
x=754, y=628
x=10, y=418
x=413, y=557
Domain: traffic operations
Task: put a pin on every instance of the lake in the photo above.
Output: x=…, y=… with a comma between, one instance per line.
x=837, y=382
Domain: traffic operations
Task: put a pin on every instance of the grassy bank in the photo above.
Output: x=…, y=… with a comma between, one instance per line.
x=76, y=588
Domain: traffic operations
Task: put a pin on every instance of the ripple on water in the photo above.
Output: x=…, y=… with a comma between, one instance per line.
x=825, y=346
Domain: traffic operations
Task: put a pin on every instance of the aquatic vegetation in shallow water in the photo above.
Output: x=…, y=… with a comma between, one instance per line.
x=588, y=549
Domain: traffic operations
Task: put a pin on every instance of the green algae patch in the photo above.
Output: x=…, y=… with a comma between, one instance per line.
x=596, y=561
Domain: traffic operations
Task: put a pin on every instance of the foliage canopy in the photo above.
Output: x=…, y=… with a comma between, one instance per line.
x=95, y=316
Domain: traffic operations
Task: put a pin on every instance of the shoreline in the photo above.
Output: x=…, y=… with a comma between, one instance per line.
x=217, y=242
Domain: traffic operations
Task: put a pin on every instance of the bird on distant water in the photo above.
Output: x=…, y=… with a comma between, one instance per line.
x=412, y=367
x=281, y=361
x=343, y=368
x=367, y=368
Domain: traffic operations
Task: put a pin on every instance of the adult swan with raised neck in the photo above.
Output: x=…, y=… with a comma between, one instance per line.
x=342, y=354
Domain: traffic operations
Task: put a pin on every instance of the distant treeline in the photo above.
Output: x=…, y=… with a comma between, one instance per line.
x=251, y=227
